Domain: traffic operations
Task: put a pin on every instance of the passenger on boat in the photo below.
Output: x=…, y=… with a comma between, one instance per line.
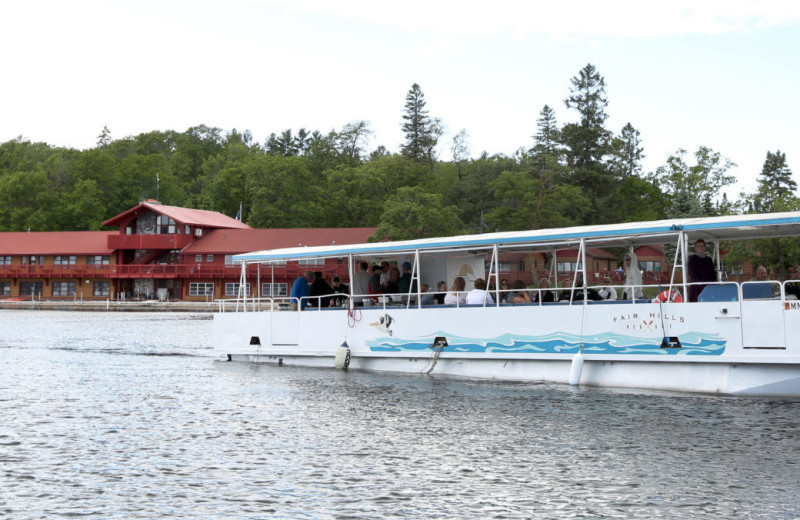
x=456, y=295
x=385, y=273
x=633, y=277
x=340, y=289
x=520, y=293
x=566, y=294
x=761, y=274
x=479, y=295
x=793, y=287
x=506, y=296
x=393, y=285
x=441, y=292
x=701, y=269
x=427, y=296
x=608, y=292
x=319, y=288
x=576, y=294
x=300, y=290
x=375, y=286
x=544, y=295
x=405, y=285
x=361, y=282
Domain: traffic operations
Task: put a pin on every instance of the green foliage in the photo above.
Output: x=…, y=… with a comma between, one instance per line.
x=412, y=213
x=422, y=133
x=775, y=184
x=694, y=188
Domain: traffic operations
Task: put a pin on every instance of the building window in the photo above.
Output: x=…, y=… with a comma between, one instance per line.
x=650, y=265
x=64, y=260
x=209, y=258
x=312, y=261
x=63, y=288
x=32, y=259
x=567, y=266
x=101, y=289
x=274, y=289
x=198, y=258
x=30, y=288
x=232, y=289
x=201, y=289
x=5, y=260
x=165, y=225
x=98, y=260
x=5, y=288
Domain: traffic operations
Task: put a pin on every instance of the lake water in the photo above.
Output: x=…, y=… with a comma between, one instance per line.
x=131, y=415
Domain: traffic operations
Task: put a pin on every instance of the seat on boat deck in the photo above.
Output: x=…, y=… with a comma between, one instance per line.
x=760, y=290
x=727, y=292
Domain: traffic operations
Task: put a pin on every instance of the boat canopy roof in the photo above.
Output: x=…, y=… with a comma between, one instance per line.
x=733, y=227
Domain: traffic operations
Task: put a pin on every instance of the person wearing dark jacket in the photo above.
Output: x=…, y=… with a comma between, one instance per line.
x=701, y=269
x=319, y=287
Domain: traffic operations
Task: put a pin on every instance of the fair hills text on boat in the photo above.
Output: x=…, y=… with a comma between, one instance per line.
x=737, y=338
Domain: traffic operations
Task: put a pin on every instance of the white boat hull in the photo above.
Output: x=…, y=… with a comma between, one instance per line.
x=722, y=351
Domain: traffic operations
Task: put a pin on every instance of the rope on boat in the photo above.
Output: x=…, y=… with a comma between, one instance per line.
x=438, y=345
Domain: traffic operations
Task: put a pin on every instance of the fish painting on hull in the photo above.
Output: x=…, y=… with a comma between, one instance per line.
x=383, y=324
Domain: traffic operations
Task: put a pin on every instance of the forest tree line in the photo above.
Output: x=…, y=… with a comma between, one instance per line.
x=572, y=174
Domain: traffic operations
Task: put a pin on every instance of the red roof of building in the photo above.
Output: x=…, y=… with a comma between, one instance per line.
x=234, y=241
x=56, y=243
x=192, y=217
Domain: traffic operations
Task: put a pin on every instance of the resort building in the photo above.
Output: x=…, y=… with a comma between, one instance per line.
x=160, y=252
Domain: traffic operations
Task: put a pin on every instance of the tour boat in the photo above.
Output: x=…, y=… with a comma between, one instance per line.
x=738, y=338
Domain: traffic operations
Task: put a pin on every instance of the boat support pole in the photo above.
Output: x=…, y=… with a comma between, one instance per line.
x=576, y=366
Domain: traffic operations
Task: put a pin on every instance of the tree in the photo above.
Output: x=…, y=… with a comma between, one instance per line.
x=774, y=184
x=588, y=141
x=418, y=127
x=352, y=140
x=702, y=181
x=460, y=150
x=412, y=213
x=104, y=139
x=627, y=153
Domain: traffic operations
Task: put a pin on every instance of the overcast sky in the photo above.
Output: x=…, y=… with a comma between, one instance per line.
x=722, y=74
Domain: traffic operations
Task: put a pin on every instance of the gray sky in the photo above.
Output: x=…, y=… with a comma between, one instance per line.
x=723, y=74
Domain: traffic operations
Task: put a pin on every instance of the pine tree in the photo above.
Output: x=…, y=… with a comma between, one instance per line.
x=774, y=184
x=627, y=153
x=588, y=141
x=417, y=127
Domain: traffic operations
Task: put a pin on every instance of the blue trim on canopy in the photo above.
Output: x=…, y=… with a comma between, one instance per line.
x=516, y=237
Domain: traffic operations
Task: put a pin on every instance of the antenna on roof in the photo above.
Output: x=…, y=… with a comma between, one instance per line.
x=157, y=185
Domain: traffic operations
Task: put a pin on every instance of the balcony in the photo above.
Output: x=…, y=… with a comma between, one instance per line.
x=149, y=241
x=165, y=271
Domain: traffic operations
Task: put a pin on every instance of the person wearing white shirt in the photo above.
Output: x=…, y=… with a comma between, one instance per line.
x=479, y=295
x=456, y=295
x=608, y=292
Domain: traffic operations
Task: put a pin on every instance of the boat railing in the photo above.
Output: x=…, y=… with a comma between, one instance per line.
x=723, y=291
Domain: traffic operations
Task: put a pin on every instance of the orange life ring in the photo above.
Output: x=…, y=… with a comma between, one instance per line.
x=673, y=296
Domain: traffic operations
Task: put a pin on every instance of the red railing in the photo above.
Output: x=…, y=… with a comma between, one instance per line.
x=168, y=271
x=148, y=241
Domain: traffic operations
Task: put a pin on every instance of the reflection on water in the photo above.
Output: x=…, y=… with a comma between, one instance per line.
x=130, y=415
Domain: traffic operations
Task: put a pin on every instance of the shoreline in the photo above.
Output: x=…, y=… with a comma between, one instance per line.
x=110, y=306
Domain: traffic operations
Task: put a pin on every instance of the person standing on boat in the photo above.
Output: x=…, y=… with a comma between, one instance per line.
x=361, y=282
x=701, y=269
x=319, y=287
x=633, y=277
x=340, y=290
x=375, y=285
x=479, y=295
x=300, y=290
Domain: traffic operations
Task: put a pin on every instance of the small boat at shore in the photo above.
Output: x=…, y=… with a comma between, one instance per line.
x=739, y=338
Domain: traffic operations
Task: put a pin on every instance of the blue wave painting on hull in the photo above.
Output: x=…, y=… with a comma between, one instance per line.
x=693, y=343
